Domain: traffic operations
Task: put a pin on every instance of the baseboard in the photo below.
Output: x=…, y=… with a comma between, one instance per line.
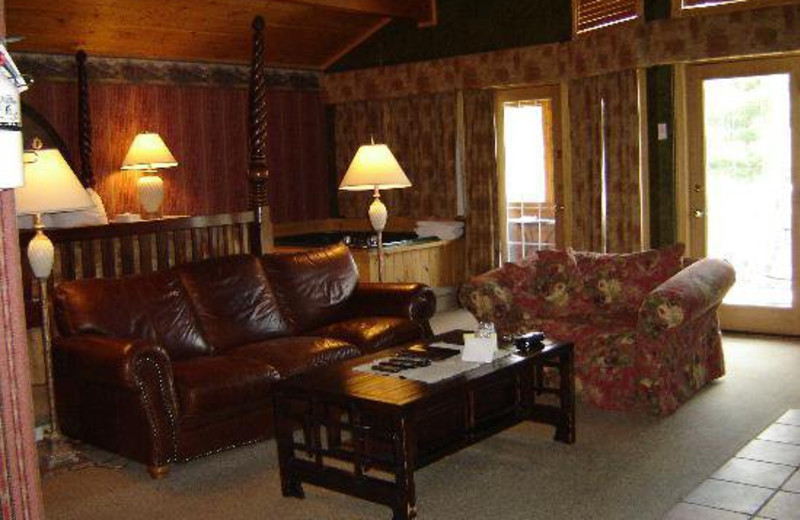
x=446, y=298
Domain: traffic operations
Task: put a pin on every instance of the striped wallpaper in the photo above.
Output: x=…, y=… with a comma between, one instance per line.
x=206, y=129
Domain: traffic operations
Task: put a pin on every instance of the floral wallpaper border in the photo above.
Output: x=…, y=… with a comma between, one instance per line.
x=743, y=33
x=60, y=67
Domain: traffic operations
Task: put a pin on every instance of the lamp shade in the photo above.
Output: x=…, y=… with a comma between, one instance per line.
x=50, y=186
x=374, y=166
x=148, y=152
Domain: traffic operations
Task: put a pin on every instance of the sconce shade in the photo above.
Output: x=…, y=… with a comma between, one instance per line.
x=374, y=166
x=50, y=185
x=148, y=152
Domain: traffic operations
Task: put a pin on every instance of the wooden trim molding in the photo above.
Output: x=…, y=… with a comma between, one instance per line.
x=56, y=67
x=727, y=6
x=421, y=10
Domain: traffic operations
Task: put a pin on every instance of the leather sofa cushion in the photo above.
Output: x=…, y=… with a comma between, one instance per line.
x=233, y=301
x=151, y=307
x=294, y=355
x=370, y=334
x=313, y=286
x=212, y=388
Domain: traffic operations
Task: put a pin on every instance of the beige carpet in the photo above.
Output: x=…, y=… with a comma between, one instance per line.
x=623, y=466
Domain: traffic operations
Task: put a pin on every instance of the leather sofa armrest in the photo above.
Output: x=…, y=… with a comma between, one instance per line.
x=414, y=301
x=107, y=360
x=131, y=366
x=689, y=294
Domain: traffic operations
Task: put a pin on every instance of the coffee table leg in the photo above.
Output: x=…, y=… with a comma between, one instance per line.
x=284, y=434
x=565, y=431
x=404, y=472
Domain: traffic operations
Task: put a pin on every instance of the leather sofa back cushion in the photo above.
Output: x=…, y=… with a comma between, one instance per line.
x=151, y=307
x=314, y=286
x=233, y=301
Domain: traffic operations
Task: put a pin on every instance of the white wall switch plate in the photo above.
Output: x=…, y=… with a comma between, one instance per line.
x=662, y=132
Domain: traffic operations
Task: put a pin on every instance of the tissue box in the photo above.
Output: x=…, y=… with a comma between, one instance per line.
x=479, y=349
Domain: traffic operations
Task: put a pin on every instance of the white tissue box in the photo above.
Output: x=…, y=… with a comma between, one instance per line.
x=481, y=350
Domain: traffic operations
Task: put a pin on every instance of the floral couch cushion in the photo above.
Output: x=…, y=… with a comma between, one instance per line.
x=553, y=285
x=616, y=284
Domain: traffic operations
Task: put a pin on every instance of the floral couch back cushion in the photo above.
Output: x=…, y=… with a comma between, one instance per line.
x=552, y=287
x=618, y=283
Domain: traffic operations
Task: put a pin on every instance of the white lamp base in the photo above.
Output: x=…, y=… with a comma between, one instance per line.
x=151, y=194
x=41, y=253
x=55, y=451
x=378, y=215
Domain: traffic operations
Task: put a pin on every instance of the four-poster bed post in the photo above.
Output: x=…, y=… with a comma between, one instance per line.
x=84, y=123
x=258, y=170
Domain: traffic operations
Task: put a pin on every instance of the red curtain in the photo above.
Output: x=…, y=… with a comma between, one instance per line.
x=480, y=176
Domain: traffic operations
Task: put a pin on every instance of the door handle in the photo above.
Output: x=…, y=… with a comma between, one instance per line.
x=698, y=213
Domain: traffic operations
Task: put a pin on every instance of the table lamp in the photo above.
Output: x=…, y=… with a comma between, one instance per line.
x=50, y=186
x=375, y=168
x=148, y=153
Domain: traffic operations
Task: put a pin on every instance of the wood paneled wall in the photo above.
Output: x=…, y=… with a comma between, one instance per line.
x=206, y=129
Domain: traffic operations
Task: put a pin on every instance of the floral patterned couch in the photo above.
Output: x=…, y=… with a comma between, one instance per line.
x=645, y=328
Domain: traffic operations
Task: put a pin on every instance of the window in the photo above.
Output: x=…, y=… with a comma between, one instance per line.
x=692, y=7
x=589, y=15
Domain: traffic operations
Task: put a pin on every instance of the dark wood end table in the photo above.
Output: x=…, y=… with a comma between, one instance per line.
x=364, y=434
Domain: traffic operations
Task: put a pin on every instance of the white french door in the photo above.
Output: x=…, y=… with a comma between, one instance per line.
x=742, y=201
x=530, y=173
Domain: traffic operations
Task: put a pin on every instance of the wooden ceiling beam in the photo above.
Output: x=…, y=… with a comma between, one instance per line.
x=423, y=11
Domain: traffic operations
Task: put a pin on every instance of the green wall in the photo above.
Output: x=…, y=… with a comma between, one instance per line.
x=465, y=27
x=661, y=155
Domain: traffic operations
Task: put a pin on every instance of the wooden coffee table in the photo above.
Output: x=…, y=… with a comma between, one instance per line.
x=365, y=435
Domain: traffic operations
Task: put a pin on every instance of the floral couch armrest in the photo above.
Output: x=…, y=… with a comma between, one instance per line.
x=489, y=297
x=690, y=293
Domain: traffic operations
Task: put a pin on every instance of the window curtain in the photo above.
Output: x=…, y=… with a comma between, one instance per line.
x=480, y=177
x=586, y=138
x=421, y=132
x=623, y=171
x=20, y=491
x=604, y=134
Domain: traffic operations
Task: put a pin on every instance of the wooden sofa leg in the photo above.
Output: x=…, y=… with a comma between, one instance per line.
x=158, y=472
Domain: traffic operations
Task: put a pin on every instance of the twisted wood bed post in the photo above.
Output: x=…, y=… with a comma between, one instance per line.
x=258, y=171
x=84, y=122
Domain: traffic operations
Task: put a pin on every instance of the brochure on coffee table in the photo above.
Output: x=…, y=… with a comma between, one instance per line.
x=437, y=370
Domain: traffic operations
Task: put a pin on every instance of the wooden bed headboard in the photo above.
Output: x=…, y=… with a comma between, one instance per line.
x=142, y=247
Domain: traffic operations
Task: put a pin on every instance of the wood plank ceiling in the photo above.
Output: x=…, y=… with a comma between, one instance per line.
x=299, y=33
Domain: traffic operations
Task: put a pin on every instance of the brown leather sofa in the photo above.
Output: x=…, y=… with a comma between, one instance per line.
x=171, y=366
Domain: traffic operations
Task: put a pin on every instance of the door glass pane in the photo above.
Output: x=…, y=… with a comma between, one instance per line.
x=749, y=185
x=529, y=210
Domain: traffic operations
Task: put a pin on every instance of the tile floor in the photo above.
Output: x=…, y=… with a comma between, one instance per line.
x=761, y=482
